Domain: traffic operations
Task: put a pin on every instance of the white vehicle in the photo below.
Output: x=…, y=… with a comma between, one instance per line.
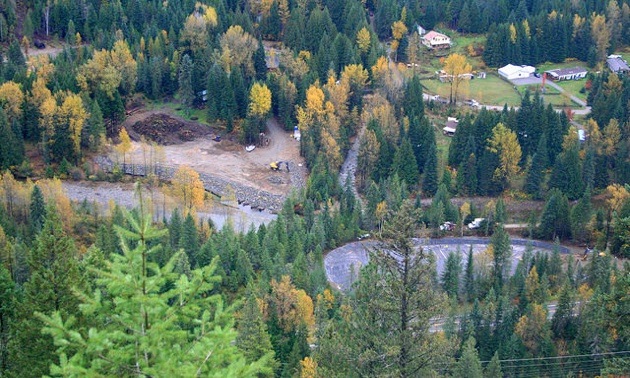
x=475, y=223
x=447, y=226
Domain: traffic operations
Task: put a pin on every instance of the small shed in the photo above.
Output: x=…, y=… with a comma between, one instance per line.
x=451, y=126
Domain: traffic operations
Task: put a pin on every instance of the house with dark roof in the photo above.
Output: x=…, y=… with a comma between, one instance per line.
x=617, y=64
x=573, y=73
x=451, y=126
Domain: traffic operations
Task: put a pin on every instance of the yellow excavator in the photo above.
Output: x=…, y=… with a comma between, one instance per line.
x=276, y=165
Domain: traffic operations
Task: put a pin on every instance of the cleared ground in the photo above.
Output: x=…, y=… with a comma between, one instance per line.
x=228, y=159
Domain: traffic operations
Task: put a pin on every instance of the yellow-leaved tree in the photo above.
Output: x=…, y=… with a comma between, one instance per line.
x=363, y=40
x=125, y=144
x=259, y=101
x=505, y=144
x=11, y=98
x=188, y=188
x=109, y=70
x=456, y=68
x=237, y=48
x=194, y=34
x=72, y=111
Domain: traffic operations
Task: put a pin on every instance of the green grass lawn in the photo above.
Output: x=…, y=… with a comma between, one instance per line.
x=489, y=91
x=568, y=64
x=574, y=87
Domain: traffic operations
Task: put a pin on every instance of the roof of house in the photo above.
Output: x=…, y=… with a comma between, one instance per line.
x=617, y=64
x=511, y=69
x=452, y=123
x=567, y=71
x=433, y=34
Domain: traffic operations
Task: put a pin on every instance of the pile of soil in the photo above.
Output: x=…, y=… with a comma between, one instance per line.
x=166, y=130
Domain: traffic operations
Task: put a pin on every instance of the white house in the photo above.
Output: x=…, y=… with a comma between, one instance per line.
x=421, y=31
x=511, y=72
x=435, y=40
x=567, y=73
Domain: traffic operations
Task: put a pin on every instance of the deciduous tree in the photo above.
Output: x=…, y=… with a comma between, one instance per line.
x=188, y=188
x=456, y=66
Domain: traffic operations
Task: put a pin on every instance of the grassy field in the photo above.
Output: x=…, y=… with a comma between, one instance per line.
x=568, y=64
x=574, y=87
x=489, y=91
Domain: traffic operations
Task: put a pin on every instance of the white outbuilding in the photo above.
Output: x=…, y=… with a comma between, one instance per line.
x=511, y=72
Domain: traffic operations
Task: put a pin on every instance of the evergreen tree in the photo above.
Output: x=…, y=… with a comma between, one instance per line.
x=502, y=249
x=175, y=229
x=12, y=151
x=469, y=365
x=253, y=339
x=8, y=299
x=430, y=175
x=536, y=172
x=186, y=91
x=189, y=239
x=450, y=276
x=554, y=221
x=260, y=64
x=413, y=101
x=392, y=327
x=54, y=275
x=404, y=163
x=493, y=370
x=37, y=213
x=170, y=336
x=469, y=277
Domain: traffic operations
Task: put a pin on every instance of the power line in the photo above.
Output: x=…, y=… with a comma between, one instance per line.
x=561, y=357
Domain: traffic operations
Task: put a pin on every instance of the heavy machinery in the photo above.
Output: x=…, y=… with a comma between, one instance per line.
x=277, y=165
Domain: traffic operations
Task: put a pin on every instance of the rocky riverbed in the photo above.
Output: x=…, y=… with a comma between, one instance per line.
x=256, y=199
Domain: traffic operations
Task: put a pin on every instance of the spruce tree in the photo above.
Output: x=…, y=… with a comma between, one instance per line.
x=405, y=163
x=189, y=239
x=536, y=172
x=8, y=299
x=37, y=208
x=469, y=365
x=430, y=175
x=158, y=332
x=54, y=275
x=502, y=249
x=253, y=339
x=469, y=277
x=493, y=370
x=393, y=327
x=451, y=274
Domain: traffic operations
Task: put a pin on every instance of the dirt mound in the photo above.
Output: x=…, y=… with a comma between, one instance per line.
x=166, y=130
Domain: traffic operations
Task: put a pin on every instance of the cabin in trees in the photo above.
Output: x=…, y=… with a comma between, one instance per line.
x=451, y=126
x=436, y=41
x=421, y=31
x=574, y=73
x=511, y=72
x=617, y=64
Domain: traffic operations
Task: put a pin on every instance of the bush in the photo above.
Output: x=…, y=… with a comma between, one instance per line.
x=77, y=174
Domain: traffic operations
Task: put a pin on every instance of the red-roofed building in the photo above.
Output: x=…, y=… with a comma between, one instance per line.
x=435, y=40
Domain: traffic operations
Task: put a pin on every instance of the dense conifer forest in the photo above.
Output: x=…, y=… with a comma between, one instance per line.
x=92, y=292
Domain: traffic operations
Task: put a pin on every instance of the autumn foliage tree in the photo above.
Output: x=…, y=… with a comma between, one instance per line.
x=456, y=67
x=188, y=188
x=505, y=144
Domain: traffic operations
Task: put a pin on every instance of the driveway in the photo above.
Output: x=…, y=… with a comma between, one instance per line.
x=527, y=81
